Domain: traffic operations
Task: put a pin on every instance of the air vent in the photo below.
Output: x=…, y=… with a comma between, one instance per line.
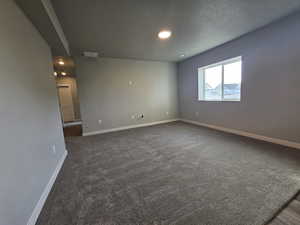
x=91, y=54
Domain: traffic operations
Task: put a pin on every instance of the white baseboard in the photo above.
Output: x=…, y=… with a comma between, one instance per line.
x=39, y=206
x=247, y=134
x=128, y=127
x=70, y=124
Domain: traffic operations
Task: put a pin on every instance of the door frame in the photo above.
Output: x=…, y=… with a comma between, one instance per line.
x=60, y=108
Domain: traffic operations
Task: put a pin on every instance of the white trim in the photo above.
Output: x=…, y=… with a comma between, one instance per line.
x=128, y=127
x=69, y=124
x=224, y=62
x=39, y=206
x=247, y=134
x=64, y=86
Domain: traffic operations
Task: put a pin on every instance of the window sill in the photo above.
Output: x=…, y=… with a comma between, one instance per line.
x=219, y=100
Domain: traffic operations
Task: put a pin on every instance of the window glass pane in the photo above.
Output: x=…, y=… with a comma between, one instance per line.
x=232, y=81
x=213, y=83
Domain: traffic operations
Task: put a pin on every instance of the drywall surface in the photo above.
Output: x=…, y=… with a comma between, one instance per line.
x=270, y=99
x=58, y=28
x=29, y=116
x=118, y=91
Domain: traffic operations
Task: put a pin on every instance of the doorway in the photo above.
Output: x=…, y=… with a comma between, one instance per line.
x=66, y=82
x=66, y=103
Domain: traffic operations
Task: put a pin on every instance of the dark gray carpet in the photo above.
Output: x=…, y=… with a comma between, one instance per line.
x=171, y=174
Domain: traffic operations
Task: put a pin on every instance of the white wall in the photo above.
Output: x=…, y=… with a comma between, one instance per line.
x=29, y=116
x=105, y=93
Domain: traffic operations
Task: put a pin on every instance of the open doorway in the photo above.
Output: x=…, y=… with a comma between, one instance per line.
x=64, y=68
x=66, y=102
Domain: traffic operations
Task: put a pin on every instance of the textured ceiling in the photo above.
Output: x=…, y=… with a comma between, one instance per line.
x=128, y=28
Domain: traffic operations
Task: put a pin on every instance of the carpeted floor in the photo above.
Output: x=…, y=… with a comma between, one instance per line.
x=171, y=174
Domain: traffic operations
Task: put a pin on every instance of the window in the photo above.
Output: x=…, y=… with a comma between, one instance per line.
x=220, y=81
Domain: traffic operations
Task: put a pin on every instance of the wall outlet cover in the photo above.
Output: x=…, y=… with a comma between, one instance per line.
x=140, y=116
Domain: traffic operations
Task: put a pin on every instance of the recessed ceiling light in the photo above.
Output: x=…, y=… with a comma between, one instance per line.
x=164, y=34
x=63, y=73
x=61, y=62
x=182, y=55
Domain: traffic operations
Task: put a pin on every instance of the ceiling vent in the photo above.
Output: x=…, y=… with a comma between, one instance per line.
x=91, y=54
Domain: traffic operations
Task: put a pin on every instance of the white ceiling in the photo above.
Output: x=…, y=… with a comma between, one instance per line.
x=128, y=28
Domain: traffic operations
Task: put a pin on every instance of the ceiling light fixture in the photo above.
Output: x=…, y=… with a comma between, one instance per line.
x=182, y=55
x=61, y=62
x=164, y=34
x=55, y=74
x=63, y=73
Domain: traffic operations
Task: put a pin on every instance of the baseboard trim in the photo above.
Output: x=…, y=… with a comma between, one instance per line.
x=128, y=127
x=70, y=124
x=39, y=206
x=247, y=134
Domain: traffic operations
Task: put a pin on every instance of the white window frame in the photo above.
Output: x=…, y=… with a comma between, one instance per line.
x=201, y=80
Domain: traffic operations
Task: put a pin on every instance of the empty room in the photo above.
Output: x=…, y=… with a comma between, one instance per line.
x=150, y=112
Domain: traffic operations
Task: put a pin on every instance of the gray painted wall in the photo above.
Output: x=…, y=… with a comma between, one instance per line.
x=105, y=92
x=29, y=116
x=270, y=103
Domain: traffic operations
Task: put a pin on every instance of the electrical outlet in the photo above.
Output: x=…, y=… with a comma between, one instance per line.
x=100, y=122
x=133, y=117
x=54, y=149
x=130, y=83
x=141, y=116
x=197, y=114
x=167, y=113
